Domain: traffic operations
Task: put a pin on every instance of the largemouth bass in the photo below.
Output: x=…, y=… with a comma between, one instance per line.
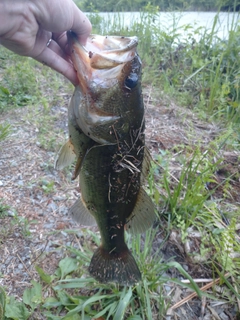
x=106, y=135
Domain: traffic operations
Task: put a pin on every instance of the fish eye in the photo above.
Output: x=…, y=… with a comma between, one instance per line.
x=131, y=81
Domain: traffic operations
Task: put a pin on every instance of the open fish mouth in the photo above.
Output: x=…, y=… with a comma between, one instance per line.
x=102, y=51
x=102, y=58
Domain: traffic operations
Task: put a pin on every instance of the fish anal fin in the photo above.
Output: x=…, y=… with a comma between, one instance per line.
x=65, y=156
x=81, y=215
x=143, y=214
x=114, y=267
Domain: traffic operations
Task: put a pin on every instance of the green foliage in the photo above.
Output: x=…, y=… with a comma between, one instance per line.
x=67, y=265
x=47, y=186
x=110, y=300
x=202, y=74
x=84, y=298
x=20, y=85
x=111, y=5
x=16, y=310
x=20, y=222
x=4, y=131
x=138, y=5
x=190, y=207
x=23, y=81
x=3, y=208
x=33, y=296
x=187, y=198
x=2, y=303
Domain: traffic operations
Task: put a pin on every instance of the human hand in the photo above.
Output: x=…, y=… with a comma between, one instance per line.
x=26, y=27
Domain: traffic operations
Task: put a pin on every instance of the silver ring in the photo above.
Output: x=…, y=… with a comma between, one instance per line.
x=49, y=41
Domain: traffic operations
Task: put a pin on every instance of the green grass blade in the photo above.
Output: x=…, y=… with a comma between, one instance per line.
x=123, y=303
x=185, y=274
x=148, y=303
x=2, y=303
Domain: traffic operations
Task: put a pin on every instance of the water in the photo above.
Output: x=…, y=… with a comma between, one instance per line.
x=180, y=22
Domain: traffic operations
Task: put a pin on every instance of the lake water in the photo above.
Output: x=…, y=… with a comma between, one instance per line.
x=172, y=21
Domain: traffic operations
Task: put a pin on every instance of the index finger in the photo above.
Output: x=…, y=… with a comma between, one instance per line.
x=81, y=25
x=56, y=62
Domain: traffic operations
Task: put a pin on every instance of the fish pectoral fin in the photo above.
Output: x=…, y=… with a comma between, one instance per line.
x=143, y=214
x=65, y=156
x=112, y=266
x=146, y=165
x=81, y=214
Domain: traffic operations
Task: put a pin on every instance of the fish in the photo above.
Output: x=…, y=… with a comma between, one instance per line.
x=106, y=137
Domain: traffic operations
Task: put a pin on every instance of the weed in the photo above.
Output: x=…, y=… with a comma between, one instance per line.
x=84, y=298
x=3, y=209
x=16, y=222
x=202, y=74
x=24, y=225
x=2, y=303
x=189, y=205
x=47, y=186
x=4, y=131
x=24, y=80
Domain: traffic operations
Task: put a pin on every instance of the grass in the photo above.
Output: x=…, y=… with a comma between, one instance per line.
x=24, y=81
x=3, y=208
x=203, y=74
x=193, y=205
x=83, y=298
x=16, y=221
x=4, y=131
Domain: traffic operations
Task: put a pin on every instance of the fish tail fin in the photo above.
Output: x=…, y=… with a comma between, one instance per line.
x=114, y=267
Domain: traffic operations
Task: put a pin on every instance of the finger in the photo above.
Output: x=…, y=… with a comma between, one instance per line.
x=61, y=40
x=81, y=25
x=54, y=46
x=56, y=62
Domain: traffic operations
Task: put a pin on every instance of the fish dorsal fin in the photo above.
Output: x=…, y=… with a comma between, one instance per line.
x=65, y=156
x=81, y=215
x=143, y=214
x=146, y=165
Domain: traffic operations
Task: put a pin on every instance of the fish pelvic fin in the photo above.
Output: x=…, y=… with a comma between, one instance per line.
x=81, y=215
x=143, y=214
x=114, y=267
x=65, y=156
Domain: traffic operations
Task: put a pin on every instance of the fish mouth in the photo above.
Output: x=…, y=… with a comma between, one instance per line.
x=102, y=58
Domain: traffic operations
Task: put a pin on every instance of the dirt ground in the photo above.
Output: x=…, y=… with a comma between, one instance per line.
x=40, y=196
